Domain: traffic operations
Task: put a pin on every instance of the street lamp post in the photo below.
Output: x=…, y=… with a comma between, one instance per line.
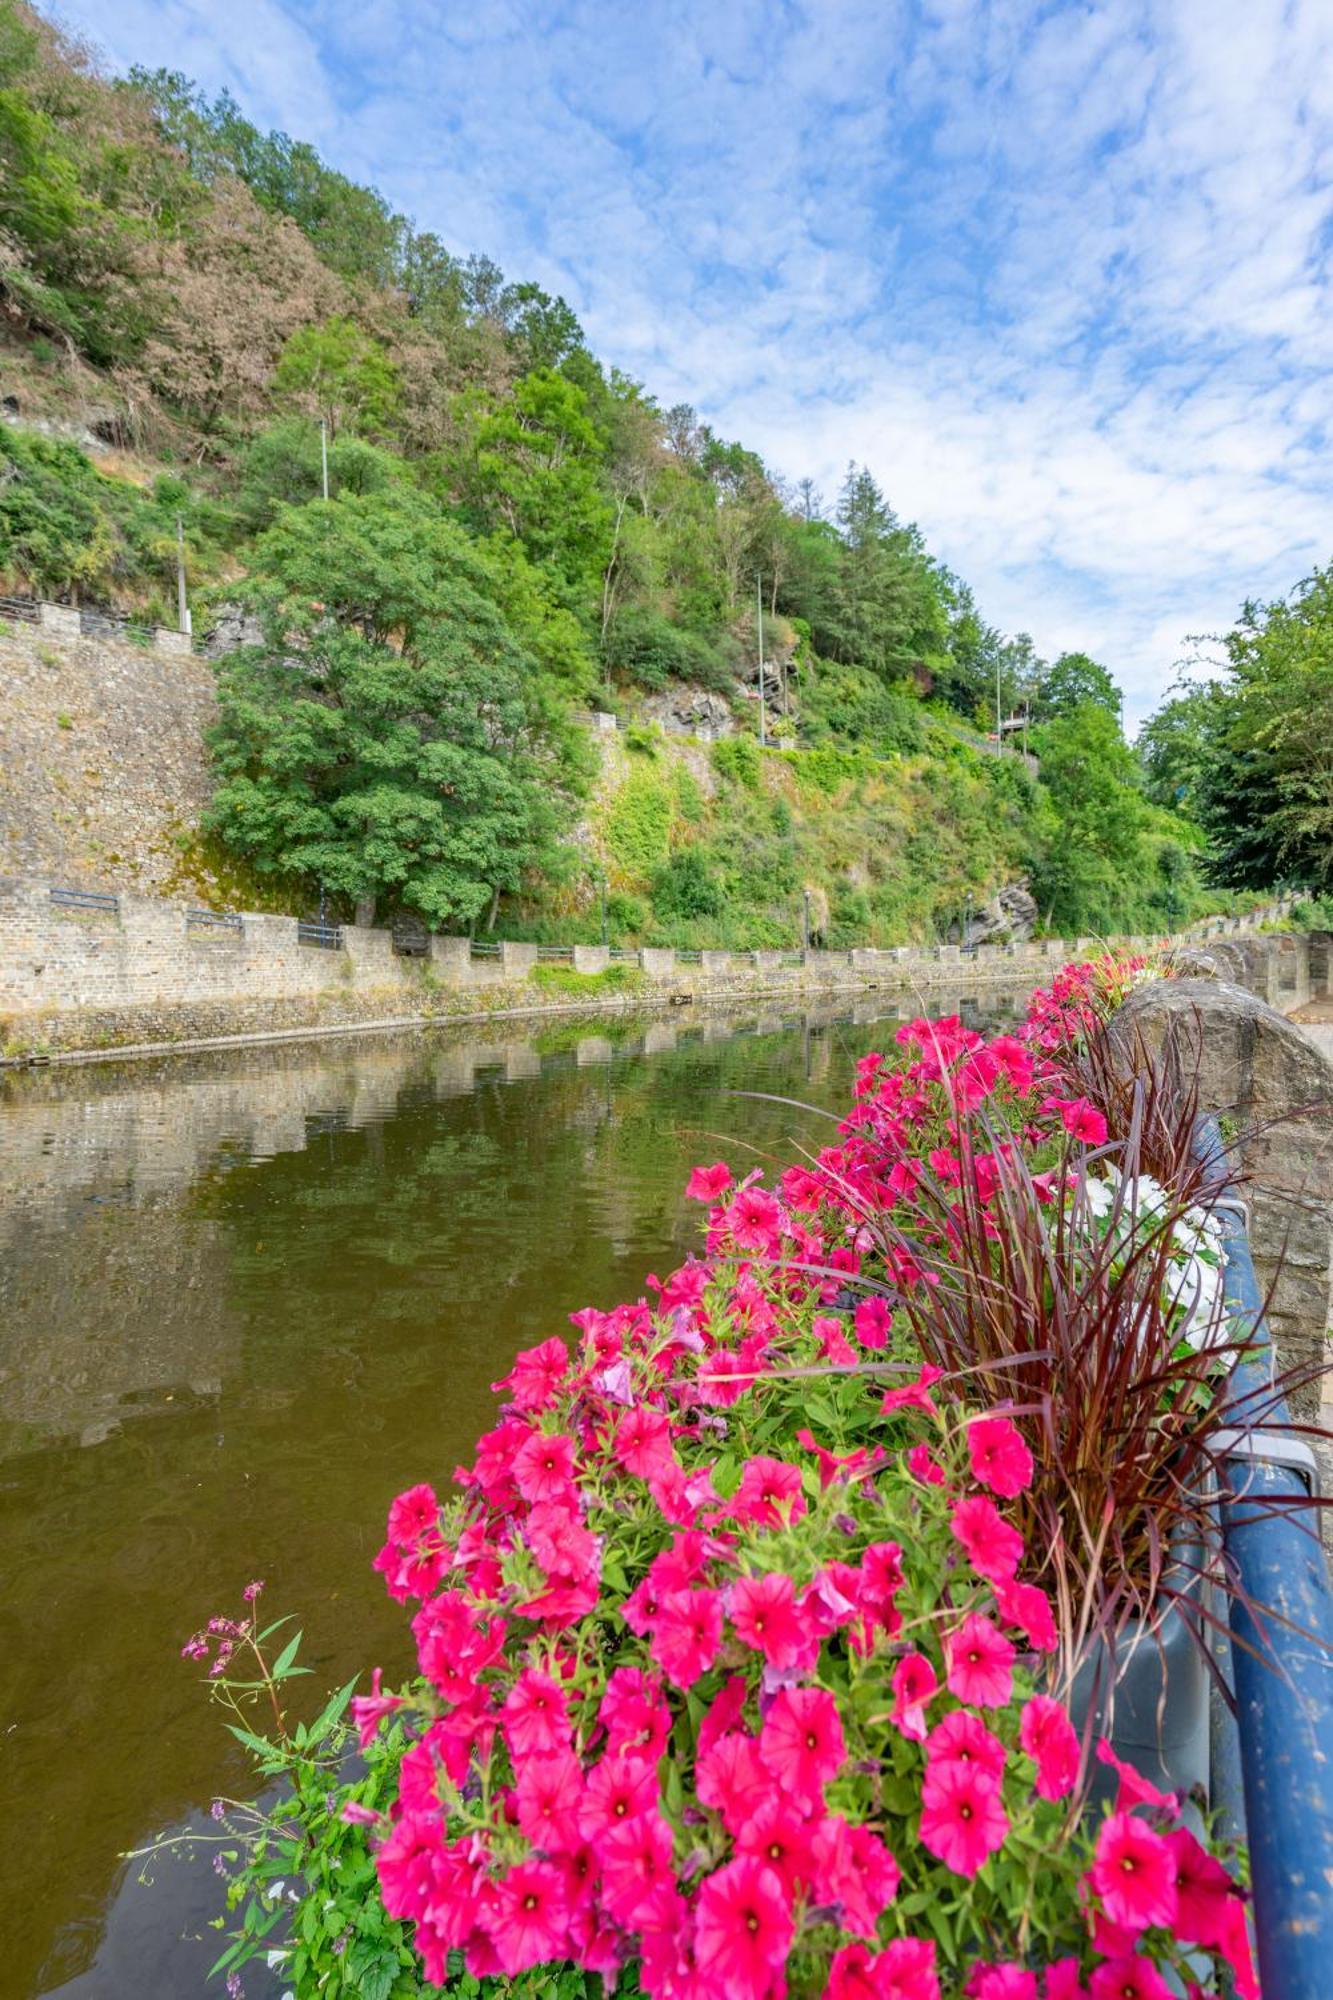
x=805, y=920
x=603, y=888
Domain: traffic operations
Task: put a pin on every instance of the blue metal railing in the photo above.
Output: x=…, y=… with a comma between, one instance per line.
x=214, y=920
x=326, y=937
x=1282, y=1655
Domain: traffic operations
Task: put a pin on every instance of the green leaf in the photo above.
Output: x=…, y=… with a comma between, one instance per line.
x=282, y=1665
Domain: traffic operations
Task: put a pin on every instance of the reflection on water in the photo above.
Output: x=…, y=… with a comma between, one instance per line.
x=243, y=1300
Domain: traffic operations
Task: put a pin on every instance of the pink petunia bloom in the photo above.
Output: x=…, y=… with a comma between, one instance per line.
x=914, y=1684
x=913, y=1395
x=536, y=1376
x=853, y=1975
x=544, y=1467
x=1132, y=1978
x=802, y=1743
x=1134, y=1789
x=408, y=1864
x=731, y=1778
x=1204, y=1891
x=754, y=1220
x=1063, y=1981
x=369, y=1710
x=854, y=1874
x=638, y=1871
x=743, y=1929
x=834, y=1345
x=1002, y=1982
x=1080, y=1119
x=724, y=1712
x=980, y=1662
x=535, y=1717
x=617, y=1789
x=708, y=1184
x=999, y=1457
x=964, y=1739
x=1237, y=1950
x=548, y=1796
x=874, y=1323
x=1134, y=1873
x=1027, y=1607
x=643, y=1440
x=769, y=1494
x=528, y=1922
x=779, y=1834
x=993, y=1548
x=962, y=1819
x=765, y=1618
x=905, y=1970
x=412, y=1515
x=835, y=1470
x=1048, y=1737
x=634, y=1715
x=687, y=1635
x=923, y=1467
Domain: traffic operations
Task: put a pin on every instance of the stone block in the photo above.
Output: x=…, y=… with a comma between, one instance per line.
x=451, y=960
x=517, y=960
x=62, y=619
x=715, y=964
x=591, y=957
x=658, y=962
x=176, y=643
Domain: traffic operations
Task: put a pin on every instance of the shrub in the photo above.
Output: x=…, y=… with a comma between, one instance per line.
x=687, y=887
x=737, y=758
x=638, y=824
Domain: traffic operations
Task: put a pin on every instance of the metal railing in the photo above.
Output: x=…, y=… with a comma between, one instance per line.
x=1282, y=1656
x=689, y=958
x=85, y=899
x=214, y=920
x=325, y=937
x=25, y=609
x=624, y=957
x=564, y=952
x=480, y=949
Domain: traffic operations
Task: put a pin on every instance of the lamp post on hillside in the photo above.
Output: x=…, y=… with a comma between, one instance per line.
x=324, y=453
x=759, y=629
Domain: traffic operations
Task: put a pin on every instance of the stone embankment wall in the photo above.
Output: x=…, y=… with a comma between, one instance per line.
x=103, y=772
x=140, y=971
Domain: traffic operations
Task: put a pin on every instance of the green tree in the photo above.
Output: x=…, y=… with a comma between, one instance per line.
x=1177, y=744
x=1265, y=787
x=1086, y=872
x=536, y=472
x=389, y=741
x=1070, y=681
x=337, y=372
x=888, y=611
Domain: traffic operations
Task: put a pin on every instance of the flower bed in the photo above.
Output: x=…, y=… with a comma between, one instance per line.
x=742, y=1641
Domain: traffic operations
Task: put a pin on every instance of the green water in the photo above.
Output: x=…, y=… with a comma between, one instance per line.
x=243, y=1301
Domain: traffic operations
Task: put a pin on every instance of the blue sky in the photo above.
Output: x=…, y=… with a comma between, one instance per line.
x=1058, y=272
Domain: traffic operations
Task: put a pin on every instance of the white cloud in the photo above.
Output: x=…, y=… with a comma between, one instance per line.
x=1059, y=274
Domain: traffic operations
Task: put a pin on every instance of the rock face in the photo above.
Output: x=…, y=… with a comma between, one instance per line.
x=691, y=711
x=232, y=626
x=1008, y=917
x=1260, y=1070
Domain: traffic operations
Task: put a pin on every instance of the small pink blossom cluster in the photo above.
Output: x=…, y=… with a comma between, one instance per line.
x=217, y=1641
x=731, y=1658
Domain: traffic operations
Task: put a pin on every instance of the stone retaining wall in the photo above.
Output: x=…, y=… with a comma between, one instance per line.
x=142, y=971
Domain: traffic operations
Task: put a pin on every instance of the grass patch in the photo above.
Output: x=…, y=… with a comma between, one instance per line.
x=564, y=979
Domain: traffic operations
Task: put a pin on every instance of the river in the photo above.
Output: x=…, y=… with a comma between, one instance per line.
x=244, y=1299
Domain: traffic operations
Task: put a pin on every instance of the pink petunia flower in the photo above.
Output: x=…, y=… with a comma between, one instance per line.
x=779, y=1834
x=1027, y=1607
x=764, y=1615
x=1204, y=1891
x=962, y=1819
x=874, y=1323
x=834, y=1345
x=754, y=1220
x=854, y=1874
x=999, y=1457
x=905, y=1970
x=964, y=1739
x=544, y=1467
x=548, y=1795
x=769, y=1494
x=731, y=1777
x=1048, y=1737
x=528, y=1923
x=1134, y=1873
x=914, y=1685
x=853, y=1974
x=643, y=1440
x=535, y=1378
x=687, y=1635
x=979, y=1661
x=1063, y=1981
x=638, y=1871
x=993, y=1548
x=802, y=1743
x=617, y=1789
x=743, y=1929
x=708, y=1184
x=535, y=1717
x=1132, y=1978
x=1133, y=1789
x=1002, y=1982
